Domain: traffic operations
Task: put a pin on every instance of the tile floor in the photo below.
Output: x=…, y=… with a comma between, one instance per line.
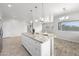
x=65, y=48
x=13, y=47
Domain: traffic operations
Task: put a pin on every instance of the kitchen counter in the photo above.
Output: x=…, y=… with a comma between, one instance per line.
x=38, y=37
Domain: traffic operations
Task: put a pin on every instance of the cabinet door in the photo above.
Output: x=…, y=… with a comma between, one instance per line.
x=45, y=48
x=35, y=47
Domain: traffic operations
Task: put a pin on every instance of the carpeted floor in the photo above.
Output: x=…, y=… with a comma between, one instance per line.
x=65, y=48
x=13, y=47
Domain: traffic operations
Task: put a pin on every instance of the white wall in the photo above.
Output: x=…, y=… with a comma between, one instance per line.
x=13, y=27
x=67, y=35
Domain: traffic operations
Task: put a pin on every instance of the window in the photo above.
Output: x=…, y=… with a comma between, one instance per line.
x=69, y=25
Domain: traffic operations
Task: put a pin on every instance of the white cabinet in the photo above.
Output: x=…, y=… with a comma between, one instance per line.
x=36, y=47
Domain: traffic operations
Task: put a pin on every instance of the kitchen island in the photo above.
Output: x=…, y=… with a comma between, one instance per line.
x=37, y=44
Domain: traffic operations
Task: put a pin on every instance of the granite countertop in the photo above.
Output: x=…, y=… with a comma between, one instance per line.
x=38, y=37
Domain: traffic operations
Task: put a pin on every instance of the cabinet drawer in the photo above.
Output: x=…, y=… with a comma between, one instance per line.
x=34, y=42
x=36, y=51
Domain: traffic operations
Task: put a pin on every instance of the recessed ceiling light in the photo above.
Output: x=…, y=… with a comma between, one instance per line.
x=42, y=19
x=9, y=5
x=36, y=20
x=67, y=17
x=31, y=22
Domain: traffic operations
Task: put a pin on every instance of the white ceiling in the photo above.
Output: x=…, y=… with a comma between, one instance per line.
x=57, y=8
x=21, y=10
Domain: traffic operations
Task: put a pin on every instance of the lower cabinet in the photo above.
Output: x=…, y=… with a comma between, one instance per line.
x=35, y=48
